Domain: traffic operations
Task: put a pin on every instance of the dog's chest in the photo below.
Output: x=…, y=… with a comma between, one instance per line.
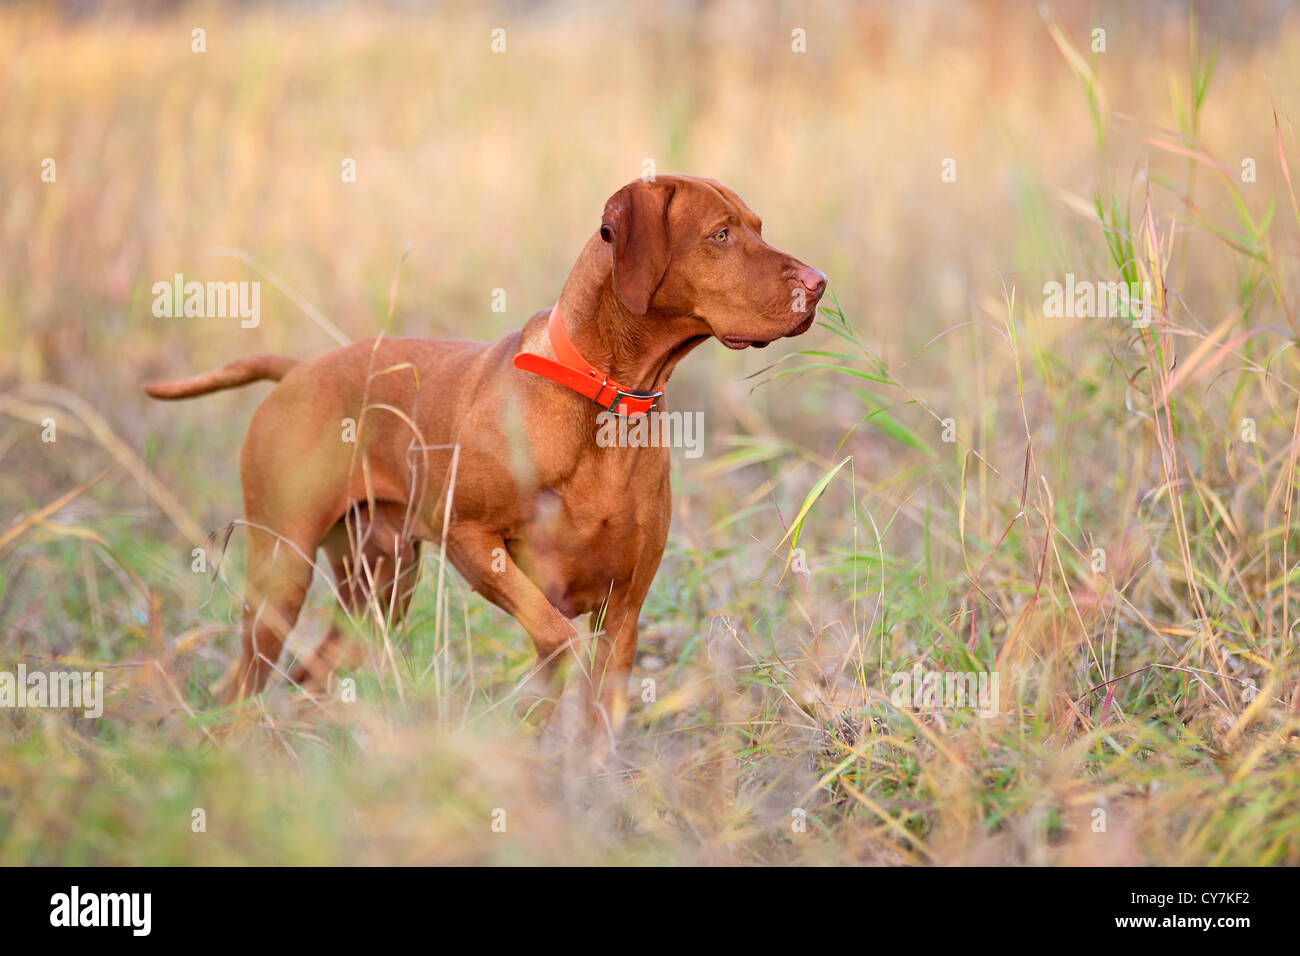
x=583, y=540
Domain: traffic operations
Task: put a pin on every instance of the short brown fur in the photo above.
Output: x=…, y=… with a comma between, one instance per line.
x=545, y=523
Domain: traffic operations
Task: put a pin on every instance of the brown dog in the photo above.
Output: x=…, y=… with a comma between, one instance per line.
x=543, y=521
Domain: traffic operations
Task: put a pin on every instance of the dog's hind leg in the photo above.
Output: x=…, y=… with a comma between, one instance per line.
x=367, y=557
x=279, y=574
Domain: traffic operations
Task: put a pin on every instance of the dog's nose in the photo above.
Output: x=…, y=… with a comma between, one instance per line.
x=811, y=279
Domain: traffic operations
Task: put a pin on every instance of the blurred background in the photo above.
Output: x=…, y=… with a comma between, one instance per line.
x=940, y=162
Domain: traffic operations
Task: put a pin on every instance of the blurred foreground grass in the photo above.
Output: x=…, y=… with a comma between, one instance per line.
x=1148, y=698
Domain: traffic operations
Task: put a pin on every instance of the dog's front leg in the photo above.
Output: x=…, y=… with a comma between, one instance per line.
x=615, y=654
x=481, y=556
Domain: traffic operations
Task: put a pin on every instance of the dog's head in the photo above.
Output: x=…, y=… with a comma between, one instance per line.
x=685, y=246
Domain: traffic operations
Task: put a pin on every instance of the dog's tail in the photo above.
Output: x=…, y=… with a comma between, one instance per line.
x=254, y=368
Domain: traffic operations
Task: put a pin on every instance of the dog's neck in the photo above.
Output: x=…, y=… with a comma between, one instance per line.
x=638, y=351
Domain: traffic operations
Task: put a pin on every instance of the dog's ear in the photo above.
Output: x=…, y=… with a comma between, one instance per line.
x=636, y=225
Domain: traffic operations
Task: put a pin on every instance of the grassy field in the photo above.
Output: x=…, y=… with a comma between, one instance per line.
x=1100, y=512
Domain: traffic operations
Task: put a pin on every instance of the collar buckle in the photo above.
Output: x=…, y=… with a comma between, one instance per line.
x=621, y=393
x=571, y=370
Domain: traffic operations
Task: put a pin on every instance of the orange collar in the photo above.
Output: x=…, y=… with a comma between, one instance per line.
x=575, y=372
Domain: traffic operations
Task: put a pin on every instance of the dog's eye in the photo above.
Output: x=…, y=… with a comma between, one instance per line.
x=720, y=236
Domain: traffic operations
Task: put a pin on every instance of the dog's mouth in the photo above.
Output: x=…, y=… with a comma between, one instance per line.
x=803, y=326
x=741, y=342
x=745, y=341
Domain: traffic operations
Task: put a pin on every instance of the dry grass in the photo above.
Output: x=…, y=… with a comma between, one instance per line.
x=1161, y=690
